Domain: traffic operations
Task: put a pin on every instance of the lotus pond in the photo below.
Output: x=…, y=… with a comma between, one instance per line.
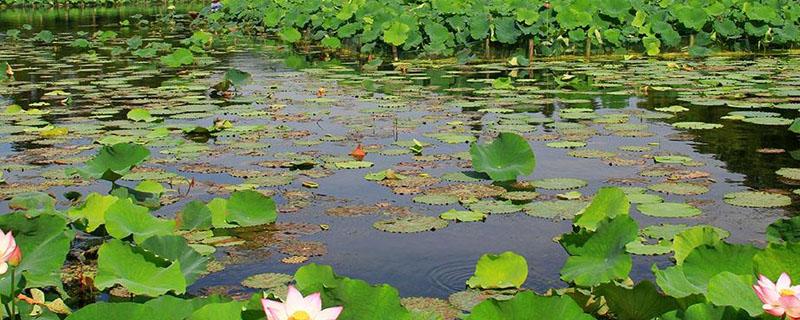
x=131, y=141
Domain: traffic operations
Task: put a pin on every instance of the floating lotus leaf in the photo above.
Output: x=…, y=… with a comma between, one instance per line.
x=505, y=158
x=468, y=299
x=639, y=248
x=463, y=215
x=757, y=199
x=789, y=173
x=113, y=162
x=437, y=308
x=410, y=224
x=558, y=209
x=641, y=198
x=673, y=159
x=494, y=207
x=303, y=248
x=566, y=144
x=769, y=121
x=673, y=109
x=353, y=164
x=696, y=125
x=679, y=188
x=499, y=271
x=436, y=199
x=559, y=183
x=469, y=190
x=520, y=195
x=668, y=210
x=267, y=280
x=590, y=153
x=464, y=176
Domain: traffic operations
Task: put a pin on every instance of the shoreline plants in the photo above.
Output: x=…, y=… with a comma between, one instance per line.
x=525, y=29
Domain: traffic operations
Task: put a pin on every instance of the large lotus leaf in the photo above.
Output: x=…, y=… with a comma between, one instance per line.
x=784, y=230
x=643, y=301
x=396, y=34
x=93, y=210
x=363, y=301
x=180, y=57
x=602, y=256
x=44, y=242
x=505, y=158
x=238, y=77
x=499, y=271
x=195, y=216
x=161, y=308
x=250, y=208
x=703, y=263
x=123, y=264
x=706, y=311
x=290, y=34
x=33, y=203
x=728, y=289
x=692, y=17
x=176, y=248
x=795, y=127
x=218, y=311
x=777, y=258
x=125, y=218
x=112, y=162
x=684, y=242
x=528, y=306
x=608, y=203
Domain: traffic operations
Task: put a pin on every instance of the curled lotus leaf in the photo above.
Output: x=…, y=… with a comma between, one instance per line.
x=505, y=158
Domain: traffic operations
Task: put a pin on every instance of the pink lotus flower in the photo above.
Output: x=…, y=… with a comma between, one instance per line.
x=298, y=308
x=9, y=252
x=780, y=297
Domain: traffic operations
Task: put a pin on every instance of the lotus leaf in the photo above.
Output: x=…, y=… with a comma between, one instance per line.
x=505, y=158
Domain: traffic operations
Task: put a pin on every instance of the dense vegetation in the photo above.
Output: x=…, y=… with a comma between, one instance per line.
x=557, y=27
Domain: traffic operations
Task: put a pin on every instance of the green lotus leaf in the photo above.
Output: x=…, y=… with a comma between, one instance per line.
x=505, y=158
x=777, y=258
x=679, y=188
x=267, y=280
x=499, y=271
x=686, y=240
x=784, y=230
x=218, y=311
x=237, y=77
x=643, y=301
x=668, y=210
x=559, y=183
x=702, y=264
x=194, y=216
x=33, y=203
x=562, y=209
x=290, y=34
x=180, y=57
x=706, y=311
x=736, y=290
x=365, y=301
x=250, y=208
x=410, y=224
x=608, y=203
x=396, y=34
x=525, y=305
x=494, y=206
x=123, y=218
x=119, y=263
x=600, y=257
x=463, y=215
x=113, y=162
x=757, y=199
x=176, y=248
x=44, y=242
x=94, y=210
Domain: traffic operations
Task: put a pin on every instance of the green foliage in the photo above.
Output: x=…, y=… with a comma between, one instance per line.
x=600, y=256
x=112, y=162
x=527, y=305
x=608, y=203
x=499, y=271
x=180, y=57
x=45, y=242
x=505, y=158
x=130, y=266
x=362, y=300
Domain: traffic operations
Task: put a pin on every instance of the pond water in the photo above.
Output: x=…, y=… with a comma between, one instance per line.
x=282, y=115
